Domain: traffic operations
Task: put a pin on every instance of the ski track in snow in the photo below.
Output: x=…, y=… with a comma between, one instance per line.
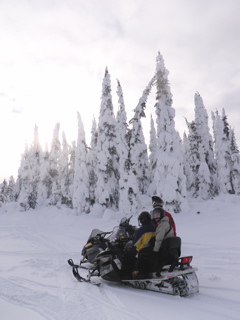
x=34, y=274
x=60, y=300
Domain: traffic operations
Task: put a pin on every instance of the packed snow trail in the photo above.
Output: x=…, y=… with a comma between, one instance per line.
x=36, y=281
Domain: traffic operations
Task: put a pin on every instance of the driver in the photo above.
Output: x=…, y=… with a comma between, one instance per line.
x=143, y=240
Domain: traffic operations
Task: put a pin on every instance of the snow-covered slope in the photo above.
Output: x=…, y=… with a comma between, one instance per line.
x=36, y=282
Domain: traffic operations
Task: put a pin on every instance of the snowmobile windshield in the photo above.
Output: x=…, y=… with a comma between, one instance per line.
x=94, y=233
x=123, y=221
x=119, y=233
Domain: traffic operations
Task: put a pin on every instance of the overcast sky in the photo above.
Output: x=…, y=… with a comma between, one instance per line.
x=53, y=55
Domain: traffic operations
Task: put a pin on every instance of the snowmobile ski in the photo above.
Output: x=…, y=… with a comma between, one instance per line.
x=79, y=277
x=72, y=264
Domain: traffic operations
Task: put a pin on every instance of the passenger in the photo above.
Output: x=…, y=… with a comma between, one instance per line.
x=167, y=246
x=157, y=202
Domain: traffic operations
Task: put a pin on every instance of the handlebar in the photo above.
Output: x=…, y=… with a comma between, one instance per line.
x=103, y=234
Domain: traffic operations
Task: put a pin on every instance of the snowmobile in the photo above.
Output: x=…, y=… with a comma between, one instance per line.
x=176, y=278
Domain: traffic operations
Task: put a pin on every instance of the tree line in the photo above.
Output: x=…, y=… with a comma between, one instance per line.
x=118, y=166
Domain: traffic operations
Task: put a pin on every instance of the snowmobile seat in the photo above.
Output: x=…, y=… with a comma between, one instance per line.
x=169, y=253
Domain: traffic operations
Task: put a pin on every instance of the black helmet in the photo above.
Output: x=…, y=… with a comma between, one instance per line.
x=157, y=202
x=157, y=214
x=144, y=217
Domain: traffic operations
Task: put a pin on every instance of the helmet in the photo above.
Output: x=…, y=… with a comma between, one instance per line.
x=157, y=214
x=144, y=217
x=157, y=202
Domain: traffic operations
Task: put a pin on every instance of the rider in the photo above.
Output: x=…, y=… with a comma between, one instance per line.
x=167, y=245
x=164, y=229
x=143, y=241
x=157, y=202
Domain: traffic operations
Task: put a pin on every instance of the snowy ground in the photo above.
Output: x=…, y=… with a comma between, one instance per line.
x=36, y=282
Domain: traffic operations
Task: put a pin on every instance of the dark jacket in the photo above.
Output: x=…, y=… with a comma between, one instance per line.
x=143, y=235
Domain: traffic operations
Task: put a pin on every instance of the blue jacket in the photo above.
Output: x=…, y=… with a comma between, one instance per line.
x=143, y=235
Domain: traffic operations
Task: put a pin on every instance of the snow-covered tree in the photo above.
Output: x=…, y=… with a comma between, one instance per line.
x=29, y=174
x=92, y=162
x=81, y=179
x=35, y=159
x=66, y=180
x=45, y=185
x=234, y=154
x=7, y=191
x=223, y=155
x=3, y=192
x=72, y=153
x=191, y=156
x=11, y=193
x=187, y=159
x=205, y=151
x=138, y=147
x=235, y=163
x=107, y=193
x=128, y=187
x=54, y=167
x=152, y=157
x=199, y=158
x=169, y=177
x=227, y=155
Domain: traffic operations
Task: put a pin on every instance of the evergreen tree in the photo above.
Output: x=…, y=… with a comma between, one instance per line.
x=66, y=180
x=35, y=158
x=152, y=157
x=54, y=168
x=138, y=147
x=198, y=174
x=29, y=174
x=169, y=177
x=45, y=185
x=192, y=157
x=92, y=162
x=205, y=150
x=235, y=163
x=7, y=191
x=72, y=156
x=107, y=193
x=227, y=155
x=3, y=192
x=188, y=159
x=128, y=188
x=11, y=193
x=223, y=155
x=81, y=178
x=23, y=186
